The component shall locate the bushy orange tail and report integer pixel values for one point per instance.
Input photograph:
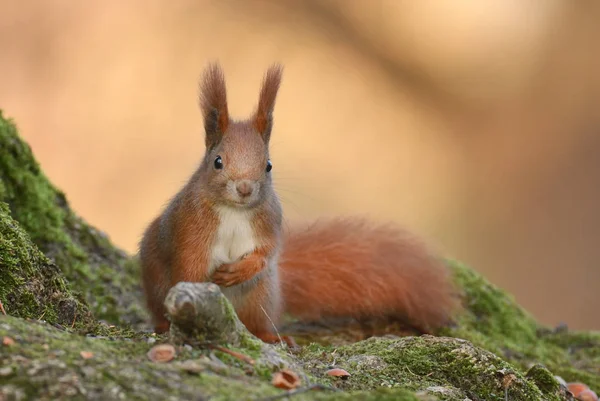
(357, 269)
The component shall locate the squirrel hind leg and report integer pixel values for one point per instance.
(155, 296)
(162, 326)
(154, 275)
(261, 311)
(158, 312)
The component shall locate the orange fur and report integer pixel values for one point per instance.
(178, 245)
(243, 270)
(262, 304)
(338, 268)
(173, 250)
(266, 101)
(354, 268)
(155, 282)
(213, 103)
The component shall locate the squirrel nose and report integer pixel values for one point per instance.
(244, 188)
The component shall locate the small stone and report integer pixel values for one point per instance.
(161, 353)
(34, 370)
(6, 371)
(560, 380)
(191, 366)
(70, 391)
(12, 392)
(19, 359)
(88, 371)
(448, 392)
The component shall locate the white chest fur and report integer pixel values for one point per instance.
(234, 238)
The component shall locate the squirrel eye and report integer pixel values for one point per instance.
(269, 166)
(218, 163)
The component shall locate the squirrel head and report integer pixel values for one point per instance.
(236, 166)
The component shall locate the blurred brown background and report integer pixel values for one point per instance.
(474, 123)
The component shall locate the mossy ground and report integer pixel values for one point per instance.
(494, 321)
(46, 364)
(448, 367)
(49, 257)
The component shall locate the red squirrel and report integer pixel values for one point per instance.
(225, 226)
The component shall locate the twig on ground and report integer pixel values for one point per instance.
(241, 357)
(273, 324)
(2, 308)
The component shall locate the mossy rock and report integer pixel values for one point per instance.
(103, 274)
(494, 321)
(42, 362)
(45, 363)
(447, 367)
(56, 268)
(31, 286)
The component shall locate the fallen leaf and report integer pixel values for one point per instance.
(587, 395)
(8, 341)
(161, 353)
(337, 372)
(86, 354)
(576, 388)
(285, 379)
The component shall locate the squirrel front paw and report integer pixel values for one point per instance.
(230, 274)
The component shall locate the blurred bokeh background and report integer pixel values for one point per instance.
(475, 124)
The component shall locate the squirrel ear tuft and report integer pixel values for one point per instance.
(213, 104)
(263, 118)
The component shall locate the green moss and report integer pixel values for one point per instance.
(380, 394)
(31, 286)
(103, 274)
(491, 312)
(494, 321)
(450, 368)
(544, 380)
(46, 364)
